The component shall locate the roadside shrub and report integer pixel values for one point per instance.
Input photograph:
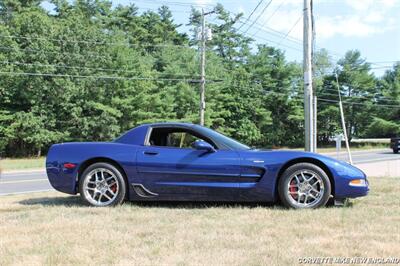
(381, 128)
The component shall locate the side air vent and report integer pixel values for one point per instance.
(143, 192)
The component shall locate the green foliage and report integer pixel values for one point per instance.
(357, 88)
(389, 88)
(382, 129)
(91, 53)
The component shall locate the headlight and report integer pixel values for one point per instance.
(358, 183)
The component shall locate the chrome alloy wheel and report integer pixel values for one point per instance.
(305, 189)
(100, 187)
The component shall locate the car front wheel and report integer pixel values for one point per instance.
(304, 185)
(102, 184)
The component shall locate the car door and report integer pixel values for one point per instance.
(187, 173)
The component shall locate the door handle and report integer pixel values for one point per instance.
(150, 152)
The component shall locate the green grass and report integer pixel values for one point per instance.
(21, 164)
(54, 228)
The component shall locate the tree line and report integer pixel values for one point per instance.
(88, 71)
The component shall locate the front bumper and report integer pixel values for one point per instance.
(350, 182)
(358, 191)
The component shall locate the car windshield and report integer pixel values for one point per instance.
(222, 139)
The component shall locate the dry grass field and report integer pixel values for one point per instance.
(51, 228)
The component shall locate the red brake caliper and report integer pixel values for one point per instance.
(292, 189)
(114, 188)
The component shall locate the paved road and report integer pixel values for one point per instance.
(24, 182)
(366, 156)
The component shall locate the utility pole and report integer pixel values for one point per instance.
(205, 35)
(307, 68)
(202, 68)
(315, 123)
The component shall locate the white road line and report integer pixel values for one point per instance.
(26, 192)
(341, 152)
(21, 174)
(23, 181)
(377, 160)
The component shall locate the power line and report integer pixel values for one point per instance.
(261, 13)
(83, 68)
(279, 34)
(382, 67)
(358, 97)
(273, 33)
(99, 77)
(289, 38)
(269, 40)
(297, 97)
(63, 41)
(30, 50)
(364, 104)
(156, 10)
(91, 54)
(275, 42)
(175, 3)
(384, 62)
(292, 28)
(269, 18)
(248, 18)
(328, 89)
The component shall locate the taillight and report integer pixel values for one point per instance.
(69, 165)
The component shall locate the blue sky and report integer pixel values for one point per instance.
(371, 26)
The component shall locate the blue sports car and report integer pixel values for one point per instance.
(181, 161)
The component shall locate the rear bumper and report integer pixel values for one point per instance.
(61, 179)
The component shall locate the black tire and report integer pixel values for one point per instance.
(288, 175)
(119, 183)
(395, 151)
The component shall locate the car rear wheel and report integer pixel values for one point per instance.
(102, 184)
(304, 185)
(395, 151)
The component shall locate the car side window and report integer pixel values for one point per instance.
(167, 137)
(180, 140)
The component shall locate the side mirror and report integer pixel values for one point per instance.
(201, 145)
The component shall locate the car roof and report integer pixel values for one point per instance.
(172, 124)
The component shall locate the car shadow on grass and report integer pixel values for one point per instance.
(202, 204)
(71, 201)
(75, 201)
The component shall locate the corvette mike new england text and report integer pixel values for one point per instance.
(350, 260)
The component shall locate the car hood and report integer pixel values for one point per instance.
(283, 156)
